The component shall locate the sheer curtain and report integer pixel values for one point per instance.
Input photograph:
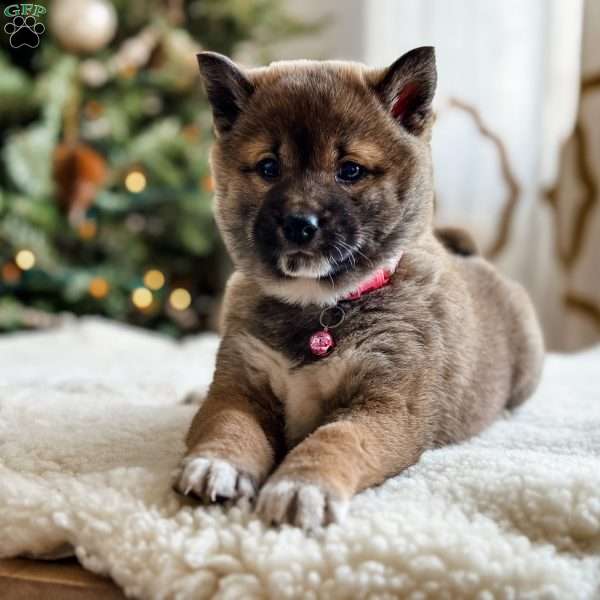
(574, 195)
(507, 103)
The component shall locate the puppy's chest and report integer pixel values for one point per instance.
(288, 329)
(307, 391)
(276, 350)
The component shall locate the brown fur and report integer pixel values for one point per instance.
(429, 360)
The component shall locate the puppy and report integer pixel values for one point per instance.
(354, 337)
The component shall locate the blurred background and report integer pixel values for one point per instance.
(105, 191)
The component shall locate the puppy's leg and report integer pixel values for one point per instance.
(360, 447)
(527, 345)
(233, 441)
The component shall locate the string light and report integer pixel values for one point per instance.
(180, 299)
(87, 229)
(141, 297)
(98, 287)
(25, 259)
(154, 279)
(135, 181)
(10, 273)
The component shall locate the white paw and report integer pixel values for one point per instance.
(213, 480)
(302, 504)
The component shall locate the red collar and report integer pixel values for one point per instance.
(321, 343)
(379, 279)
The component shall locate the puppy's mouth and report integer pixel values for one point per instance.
(312, 265)
(303, 264)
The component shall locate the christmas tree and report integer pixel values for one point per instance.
(105, 197)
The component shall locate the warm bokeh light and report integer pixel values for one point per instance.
(180, 299)
(127, 72)
(25, 259)
(10, 273)
(191, 132)
(87, 229)
(98, 287)
(141, 297)
(135, 181)
(154, 279)
(208, 183)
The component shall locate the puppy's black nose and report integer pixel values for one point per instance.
(300, 229)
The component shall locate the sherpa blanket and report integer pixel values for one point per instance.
(92, 426)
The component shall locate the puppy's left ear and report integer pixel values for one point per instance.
(407, 87)
(227, 87)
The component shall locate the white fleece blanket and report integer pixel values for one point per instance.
(91, 429)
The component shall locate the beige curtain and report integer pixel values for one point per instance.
(516, 144)
(574, 199)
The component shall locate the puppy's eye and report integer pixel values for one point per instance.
(350, 172)
(268, 168)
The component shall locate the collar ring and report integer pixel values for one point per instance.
(335, 319)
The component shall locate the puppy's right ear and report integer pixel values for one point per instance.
(227, 87)
(406, 89)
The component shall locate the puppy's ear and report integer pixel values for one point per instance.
(407, 87)
(227, 87)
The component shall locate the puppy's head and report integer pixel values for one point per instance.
(322, 169)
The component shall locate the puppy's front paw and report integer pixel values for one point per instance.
(305, 505)
(213, 480)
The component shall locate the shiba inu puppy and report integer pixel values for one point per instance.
(355, 336)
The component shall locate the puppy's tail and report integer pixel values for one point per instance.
(457, 240)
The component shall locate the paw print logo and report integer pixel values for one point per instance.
(24, 31)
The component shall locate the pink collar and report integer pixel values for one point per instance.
(321, 343)
(379, 279)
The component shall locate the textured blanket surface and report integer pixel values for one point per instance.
(92, 426)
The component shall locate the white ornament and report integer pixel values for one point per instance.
(83, 25)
